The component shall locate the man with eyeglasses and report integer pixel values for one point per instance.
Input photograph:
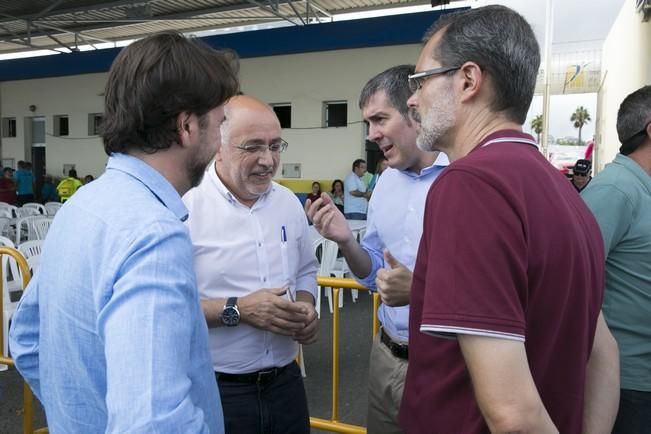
(501, 321)
(256, 274)
(620, 198)
(385, 258)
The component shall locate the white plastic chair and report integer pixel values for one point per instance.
(37, 206)
(8, 306)
(41, 226)
(51, 208)
(25, 229)
(26, 212)
(6, 242)
(8, 210)
(10, 272)
(33, 263)
(326, 252)
(30, 248)
(5, 225)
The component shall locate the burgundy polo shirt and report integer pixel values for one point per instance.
(509, 250)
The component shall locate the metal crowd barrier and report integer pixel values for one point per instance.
(28, 398)
(334, 424)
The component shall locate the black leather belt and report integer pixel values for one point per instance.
(264, 376)
(398, 350)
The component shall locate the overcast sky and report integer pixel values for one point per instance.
(578, 25)
(560, 109)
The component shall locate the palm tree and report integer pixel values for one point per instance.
(580, 117)
(537, 126)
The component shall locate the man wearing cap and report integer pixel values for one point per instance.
(620, 198)
(581, 174)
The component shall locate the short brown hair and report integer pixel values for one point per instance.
(153, 80)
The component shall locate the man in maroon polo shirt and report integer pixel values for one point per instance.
(508, 282)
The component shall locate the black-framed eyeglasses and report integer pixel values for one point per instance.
(259, 148)
(417, 79)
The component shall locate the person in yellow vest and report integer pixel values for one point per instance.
(68, 186)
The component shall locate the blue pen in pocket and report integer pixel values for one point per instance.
(285, 262)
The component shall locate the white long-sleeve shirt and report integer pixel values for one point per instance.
(237, 250)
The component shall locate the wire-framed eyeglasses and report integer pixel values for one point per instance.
(259, 148)
(417, 80)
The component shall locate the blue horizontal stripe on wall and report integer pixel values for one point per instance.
(369, 32)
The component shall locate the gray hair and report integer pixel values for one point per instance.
(395, 85)
(633, 116)
(504, 46)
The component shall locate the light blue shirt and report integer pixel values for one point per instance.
(109, 333)
(352, 203)
(397, 228)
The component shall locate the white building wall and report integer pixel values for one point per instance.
(626, 66)
(304, 80)
(75, 96)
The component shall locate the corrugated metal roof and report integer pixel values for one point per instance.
(55, 24)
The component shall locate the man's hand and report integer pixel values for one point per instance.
(309, 333)
(393, 283)
(268, 309)
(328, 220)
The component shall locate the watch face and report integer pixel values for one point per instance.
(230, 316)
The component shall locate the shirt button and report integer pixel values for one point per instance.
(259, 244)
(264, 279)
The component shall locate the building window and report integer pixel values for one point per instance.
(61, 125)
(94, 124)
(335, 114)
(8, 127)
(284, 113)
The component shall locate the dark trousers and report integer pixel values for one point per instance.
(22, 199)
(634, 415)
(276, 407)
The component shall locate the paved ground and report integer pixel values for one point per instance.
(355, 344)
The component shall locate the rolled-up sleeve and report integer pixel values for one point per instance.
(307, 263)
(374, 246)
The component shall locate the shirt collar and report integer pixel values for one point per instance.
(441, 162)
(152, 179)
(224, 191)
(635, 168)
(502, 134)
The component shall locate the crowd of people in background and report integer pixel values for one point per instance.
(20, 186)
(338, 188)
(493, 271)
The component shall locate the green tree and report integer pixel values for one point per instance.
(580, 117)
(537, 126)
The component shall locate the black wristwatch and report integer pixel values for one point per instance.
(231, 314)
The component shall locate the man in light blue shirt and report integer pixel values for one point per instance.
(355, 192)
(109, 333)
(386, 257)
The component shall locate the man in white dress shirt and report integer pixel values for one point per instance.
(256, 274)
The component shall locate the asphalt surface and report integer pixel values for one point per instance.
(355, 347)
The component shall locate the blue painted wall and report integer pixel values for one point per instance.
(370, 32)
